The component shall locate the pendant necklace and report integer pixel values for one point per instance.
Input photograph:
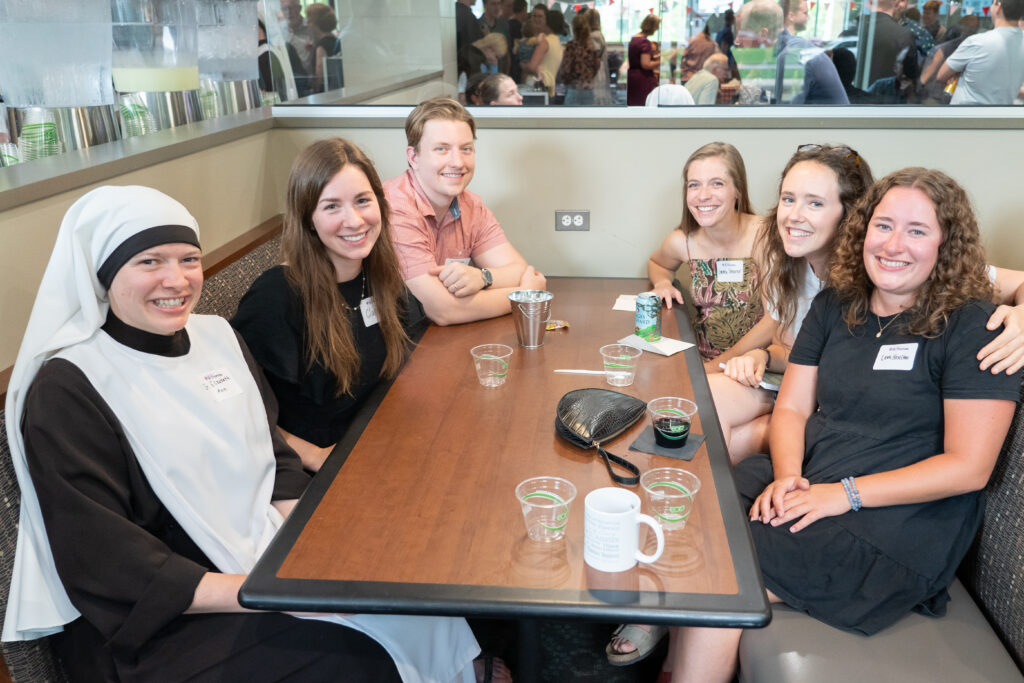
(881, 327)
(362, 295)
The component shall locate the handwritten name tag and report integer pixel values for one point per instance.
(220, 384)
(896, 357)
(457, 260)
(368, 311)
(730, 270)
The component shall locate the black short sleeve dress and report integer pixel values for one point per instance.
(271, 320)
(880, 407)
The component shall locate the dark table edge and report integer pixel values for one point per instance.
(749, 608)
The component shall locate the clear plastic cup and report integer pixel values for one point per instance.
(545, 502)
(620, 364)
(670, 418)
(491, 361)
(669, 492)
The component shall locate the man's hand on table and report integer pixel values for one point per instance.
(459, 279)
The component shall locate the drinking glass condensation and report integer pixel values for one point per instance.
(545, 503)
(670, 492)
(491, 361)
(619, 364)
(670, 419)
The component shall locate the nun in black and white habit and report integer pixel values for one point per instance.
(152, 476)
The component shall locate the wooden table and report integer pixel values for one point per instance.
(415, 511)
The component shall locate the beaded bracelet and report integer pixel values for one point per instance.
(851, 493)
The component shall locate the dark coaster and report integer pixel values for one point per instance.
(645, 444)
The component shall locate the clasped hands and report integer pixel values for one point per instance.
(790, 498)
(463, 280)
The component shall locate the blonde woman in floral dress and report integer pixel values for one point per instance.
(715, 239)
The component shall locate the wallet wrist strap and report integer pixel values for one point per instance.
(610, 458)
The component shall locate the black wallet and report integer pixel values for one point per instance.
(589, 417)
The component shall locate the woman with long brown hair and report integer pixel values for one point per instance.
(580, 63)
(715, 239)
(819, 187)
(335, 318)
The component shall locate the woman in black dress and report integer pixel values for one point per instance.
(336, 318)
(885, 429)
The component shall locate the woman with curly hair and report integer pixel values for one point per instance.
(336, 317)
(885, 430)
(715, 238)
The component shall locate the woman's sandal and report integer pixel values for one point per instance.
(643, 640)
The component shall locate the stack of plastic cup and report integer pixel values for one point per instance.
(135, 117)
(9, 155)
(38, 135)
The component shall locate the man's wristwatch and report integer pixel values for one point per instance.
(488, 278)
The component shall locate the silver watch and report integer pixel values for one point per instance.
(488, 278)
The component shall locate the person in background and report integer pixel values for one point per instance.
(492, 21)
(989, 66)
(820, 82)
(580, 63)
(472, 93)
(488, 54)
(602, 81)
(846, 68)
(467, 31)
(891, 48)
(930, 20)
(705, 83)
(524, 49)
(700, 48)
(454, 256)
(272, 80)
(516, 11)
(910, 18)
(322, 22)
(885, 431)
(301, 40)
(499, 89)
(557, 24)
(644, 63)
(547, 55)
(152, 477)
(336, 318)
(726, 38)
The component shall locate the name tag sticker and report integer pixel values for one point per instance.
(896, 357)
(368, 311)
(220, 384)
(729, 270)
(457, 260)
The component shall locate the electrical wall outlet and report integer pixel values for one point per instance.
(572, 220)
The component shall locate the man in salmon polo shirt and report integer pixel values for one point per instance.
(454, 256)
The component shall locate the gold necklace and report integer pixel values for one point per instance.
(881, 327)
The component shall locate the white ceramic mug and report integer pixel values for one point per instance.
(611, 530)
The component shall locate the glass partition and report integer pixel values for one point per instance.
(552, 53)
(761, 52)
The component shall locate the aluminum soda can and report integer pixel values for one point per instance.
(648, 316)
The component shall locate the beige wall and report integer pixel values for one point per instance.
(229, 189)
(628, 179)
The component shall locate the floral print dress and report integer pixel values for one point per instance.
(728, 304)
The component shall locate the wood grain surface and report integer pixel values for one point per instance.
(427, 494)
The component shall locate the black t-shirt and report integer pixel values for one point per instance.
(880, 408)
(271, 320)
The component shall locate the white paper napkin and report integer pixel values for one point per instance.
(664, 346)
